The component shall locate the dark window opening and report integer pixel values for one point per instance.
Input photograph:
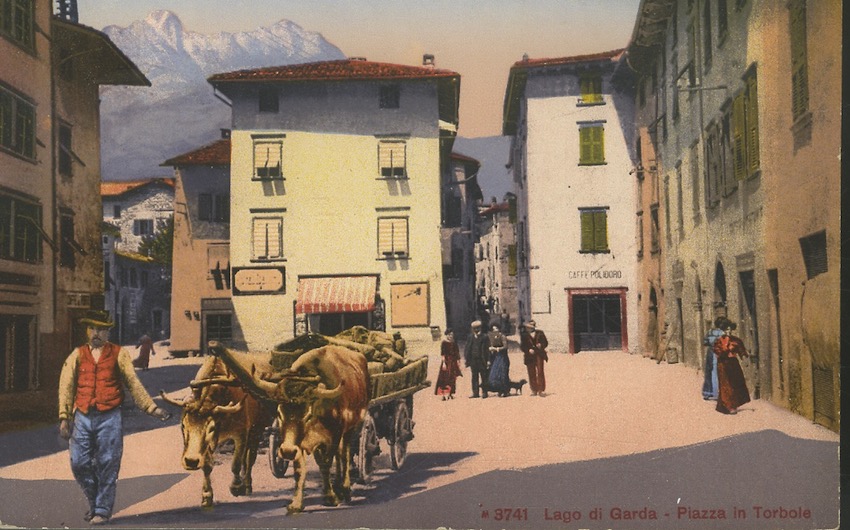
(269, 100)
(390, 97)
(66, 167)
(814, 254)
(66, 249)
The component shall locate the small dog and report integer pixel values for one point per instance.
(517, 385)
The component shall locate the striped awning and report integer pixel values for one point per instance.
(336, 294)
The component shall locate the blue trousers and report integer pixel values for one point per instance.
(96, 447)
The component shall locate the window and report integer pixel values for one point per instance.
(16, 22)
(214, 207)
(392, 159)
(19, 357)
(65, 153)
(218, 265)
(814, 254)
(745, 131)
(799, 60)
(66, 64)
(695, 178)
(674, 25)
(722, 20)
(107, 275)
(594, 230)
(116, 211)
(674, 70)
(17, 124)
(390, 96)
(713, 165)
(268, 100)
(591, 144)
(706, 32)
(392, 237)
(728, 183)
(66, 247)
(134, 277)
(143, 279)
(267, 238)
(143, 227)
(680, 207)
(454, 210)
(591, 89)
(654, 230)
(667, 210)
(268, 159)
(512, 262)
(640, 234)
(20, 230)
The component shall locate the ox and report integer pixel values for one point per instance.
(219, 410)
(322, 401)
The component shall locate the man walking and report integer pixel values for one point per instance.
(476, 356)
(90, 395)
(533, 345)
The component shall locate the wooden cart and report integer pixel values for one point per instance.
(390, 410)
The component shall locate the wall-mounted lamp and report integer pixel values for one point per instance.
(188, 314)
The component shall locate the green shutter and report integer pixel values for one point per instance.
(753, 158)
(600, 231)
(587, 231)
(511, 260)
(738, 136)
(799, 60)
(512, 210)
(586, 154)
(598, 136)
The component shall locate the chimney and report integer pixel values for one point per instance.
(428, 60)
(225, 134)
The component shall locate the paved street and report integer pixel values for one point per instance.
(619, 442)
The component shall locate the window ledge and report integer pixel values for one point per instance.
(581, 103)
(593, 163)
(655, 251)
(608, 251)
(393, 178)
(265, 179)
(397, 257)
(802, 122)
(11, 152)
(268, 260)
(754, 175)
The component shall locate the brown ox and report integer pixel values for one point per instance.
(219, 410)
(322, 400)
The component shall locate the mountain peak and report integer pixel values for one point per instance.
(167, 24)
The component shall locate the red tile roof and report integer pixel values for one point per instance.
(601, 56)
(464, 158)
(345, 69)
(214, 154)
(115, 188)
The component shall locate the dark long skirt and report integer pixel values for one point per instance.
(499, 381)
(732, 391)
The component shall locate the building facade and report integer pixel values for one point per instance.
(571, 121)
(201, 306)
(51, 271)
(742, 123)
(335, 197)
(138, 208)
(496, 259)
(461, 197)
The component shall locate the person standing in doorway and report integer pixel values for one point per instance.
(476, 356)
(90, 397)
(732, 389)
(709, 385)
(533, 345)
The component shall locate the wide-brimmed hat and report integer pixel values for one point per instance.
(725, 323)
(530, 324)
(475, 324)
(97, 318)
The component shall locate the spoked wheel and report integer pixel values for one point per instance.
(402, 433)
(278, 465)
(367, 448)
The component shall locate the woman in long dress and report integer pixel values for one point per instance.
(499, 380)
(449, 368)
(732, 386)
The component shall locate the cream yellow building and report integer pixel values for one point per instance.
(335, 197)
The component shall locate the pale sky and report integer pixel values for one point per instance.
(479, 39)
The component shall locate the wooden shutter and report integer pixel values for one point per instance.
(512, 210)
(268, 238)
(512, 260)
(738, 137)
(267, 159)
(592, 144)
(205, 207)
(799, 60)
(752, 124)
(392, 159)
(598, 139)
(586, 147)
(587, 231)
(600, 230)
(591, 89)
(392, 236)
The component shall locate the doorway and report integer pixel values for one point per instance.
(597, 322)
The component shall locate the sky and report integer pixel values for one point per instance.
(479, 39)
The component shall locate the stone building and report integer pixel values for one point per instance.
(571, 120)
(746, 101)
(51, 68)
(335, 185)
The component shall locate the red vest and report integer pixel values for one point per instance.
(99, 384)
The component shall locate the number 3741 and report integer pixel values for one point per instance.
(510, 514)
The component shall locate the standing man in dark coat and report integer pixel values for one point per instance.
(476, 356)
(533, 346)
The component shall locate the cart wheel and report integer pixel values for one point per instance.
(403, 433)
(278, 465)
(367, 448)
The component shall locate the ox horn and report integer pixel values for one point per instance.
(267, 387)
(171, 401)
(230, 408)
(197, 383)
(324, 393)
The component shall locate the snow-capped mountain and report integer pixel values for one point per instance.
(143, 126)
